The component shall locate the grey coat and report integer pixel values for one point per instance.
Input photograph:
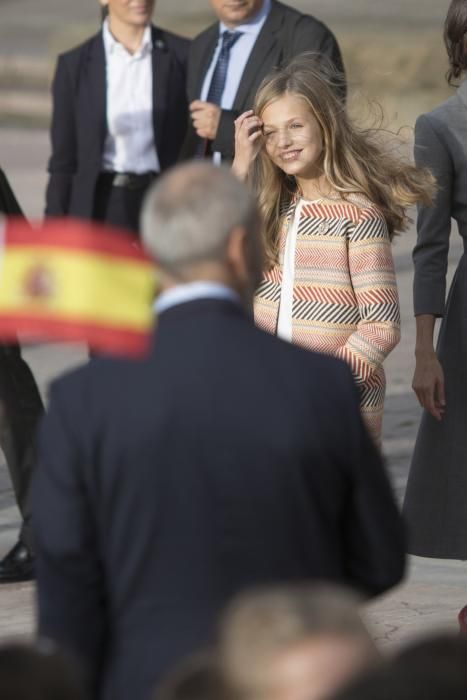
(435, 504)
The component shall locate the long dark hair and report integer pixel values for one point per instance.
(455, 37)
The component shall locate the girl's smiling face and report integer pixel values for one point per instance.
(293, 137)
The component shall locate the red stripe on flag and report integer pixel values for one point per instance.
(75, 234)
(99, 337)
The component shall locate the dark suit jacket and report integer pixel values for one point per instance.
(22, 404)
(285, 34)
(8, 202)
(228, 458)
(79, 118)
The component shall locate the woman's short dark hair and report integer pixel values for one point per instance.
(104, 12)
(455, 37)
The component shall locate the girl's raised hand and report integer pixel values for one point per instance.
(248, 140)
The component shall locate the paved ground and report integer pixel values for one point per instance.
(433, 591)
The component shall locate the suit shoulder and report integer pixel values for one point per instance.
(205, 37)
(445, 113)
(90, 378)
(295, 17)
(75, 54)
(174, 41)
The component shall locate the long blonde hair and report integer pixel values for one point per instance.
(355, 160)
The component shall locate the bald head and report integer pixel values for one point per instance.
(190, 212)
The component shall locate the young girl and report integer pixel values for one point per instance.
(332, 198)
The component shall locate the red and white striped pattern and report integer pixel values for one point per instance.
(345, 300)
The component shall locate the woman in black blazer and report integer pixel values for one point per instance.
(119, 116)
(20, 410)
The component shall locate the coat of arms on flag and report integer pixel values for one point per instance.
(73, 280)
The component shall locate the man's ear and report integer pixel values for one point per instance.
(236, 254)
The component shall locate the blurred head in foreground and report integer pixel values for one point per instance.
(196, 677)
(38, 672)
(432, 669)
(294, 643)
(200, 223)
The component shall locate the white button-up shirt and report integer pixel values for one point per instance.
(129, 144)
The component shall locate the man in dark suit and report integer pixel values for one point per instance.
(20, 410)
(119, 116)
(229, 60)
(228, 458)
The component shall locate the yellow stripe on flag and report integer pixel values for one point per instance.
(81, 284)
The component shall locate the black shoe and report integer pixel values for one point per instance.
(17, 565)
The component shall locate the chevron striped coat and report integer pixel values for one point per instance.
(345, 300)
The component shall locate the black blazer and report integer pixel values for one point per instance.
(285, 34)
(8, 202)
(228, 458)
(79, 126)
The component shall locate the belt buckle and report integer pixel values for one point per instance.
(120, 180)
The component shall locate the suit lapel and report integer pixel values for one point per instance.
(95, 94)
(205, 57)
(266, 44)
(462, 92)
(161, 83)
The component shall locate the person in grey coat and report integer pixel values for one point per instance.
(435, 505)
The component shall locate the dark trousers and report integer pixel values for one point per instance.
(20, 410)
(120, 205)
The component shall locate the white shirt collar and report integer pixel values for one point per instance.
(112, 45)
(182, 293)
(254, 25)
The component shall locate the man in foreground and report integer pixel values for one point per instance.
(226, 459)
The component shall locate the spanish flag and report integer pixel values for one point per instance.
(72, 280)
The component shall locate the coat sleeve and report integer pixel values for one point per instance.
(225, 137)
(70, 590)
(63, 161)
(430, 254)
(372, 274)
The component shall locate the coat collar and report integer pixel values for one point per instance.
(210, 39)
(462, 92)
(96, 86)
(265, 44)
(161, 63)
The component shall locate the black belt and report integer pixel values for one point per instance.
(132, 181)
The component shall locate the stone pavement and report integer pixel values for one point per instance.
(433, 591)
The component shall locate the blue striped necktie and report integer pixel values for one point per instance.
(217, 85)
(216, 88)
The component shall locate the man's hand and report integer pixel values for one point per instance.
(428, 384)
(205, 117)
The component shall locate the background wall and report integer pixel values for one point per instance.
(392, 49)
